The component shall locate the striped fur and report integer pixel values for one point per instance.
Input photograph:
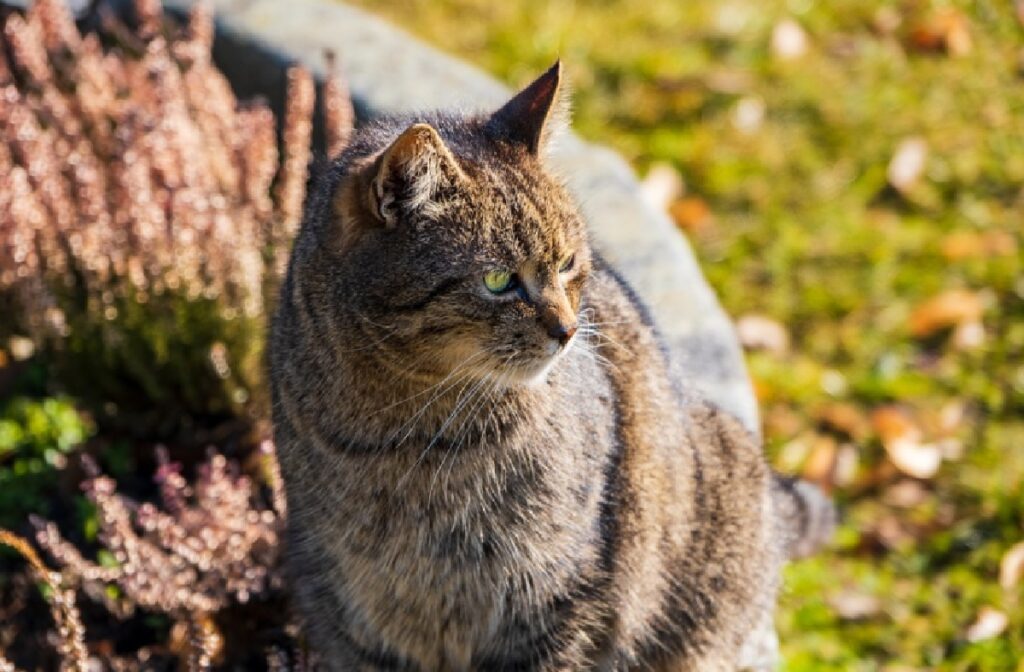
(463, 494)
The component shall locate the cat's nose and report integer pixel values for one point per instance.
(562, 333)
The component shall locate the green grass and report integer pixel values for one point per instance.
(807, 231)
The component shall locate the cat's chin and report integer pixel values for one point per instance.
(537, 376)
(535, 373)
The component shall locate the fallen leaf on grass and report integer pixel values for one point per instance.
(903, 443)
(748, 114)
(692, 214)
(905, 494)
(969, 335)
(820, 465)
(893, 534)
(989, 623)
(758, 332)
(1011, 568)
(951, 415)
(789, 40)
(948, 30)
(907, 163)
(845, 418)
(844, 474)
(970, 244)
(852, 605)
(948, 309)
(662, 185)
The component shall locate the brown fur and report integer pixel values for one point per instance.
(460, 497)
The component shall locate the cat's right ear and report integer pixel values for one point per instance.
(535, 115)
(400, 182)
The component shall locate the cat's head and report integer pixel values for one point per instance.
(453, 247)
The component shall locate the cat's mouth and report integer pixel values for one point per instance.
(532, 370)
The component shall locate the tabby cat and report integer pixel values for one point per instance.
(488, 465)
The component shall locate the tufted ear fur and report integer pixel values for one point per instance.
(400, 181)
(536, 114)
(411, 172)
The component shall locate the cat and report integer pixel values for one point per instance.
(487, 463)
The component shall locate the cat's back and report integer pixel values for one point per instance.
(696, 552)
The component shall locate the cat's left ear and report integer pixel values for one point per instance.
(535, 115)
(410, 173)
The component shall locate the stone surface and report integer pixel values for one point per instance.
(390, 71)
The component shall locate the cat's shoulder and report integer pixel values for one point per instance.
(723, 443)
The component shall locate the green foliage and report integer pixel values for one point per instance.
(808, 231)
(159, 365)
(36, 436)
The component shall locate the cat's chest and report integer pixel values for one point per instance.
(448, 566)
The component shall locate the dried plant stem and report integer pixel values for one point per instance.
(291, 188)
(339, 116)
(70, 630)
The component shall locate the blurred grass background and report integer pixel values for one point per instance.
(853, 178)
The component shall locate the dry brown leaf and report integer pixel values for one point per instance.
(782, 421)
(903, 443)
(748, 114)
(948, 30)
(971, 244)
(948, 309)
(969, 335)
(920, 460)
(692, 214)
(759, 332)
(789, 40)
(847, 465)
(821, 462)
(951, 415)
(1000, 243)
(907, 163)
(962, 245)
(1011, 568)
(853, 605)
(845, 418)
(893, 533)
(793, 454)
(988, 624)
(905, 494)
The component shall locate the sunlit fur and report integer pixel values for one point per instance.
(465, 491)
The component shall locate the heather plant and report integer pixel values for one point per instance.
(212, 545)
(140, 227)
(145, 216)
(70, 631)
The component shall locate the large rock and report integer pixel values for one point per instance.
(390, 71)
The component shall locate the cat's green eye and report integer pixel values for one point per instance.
(499, 281)
(567, 264)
